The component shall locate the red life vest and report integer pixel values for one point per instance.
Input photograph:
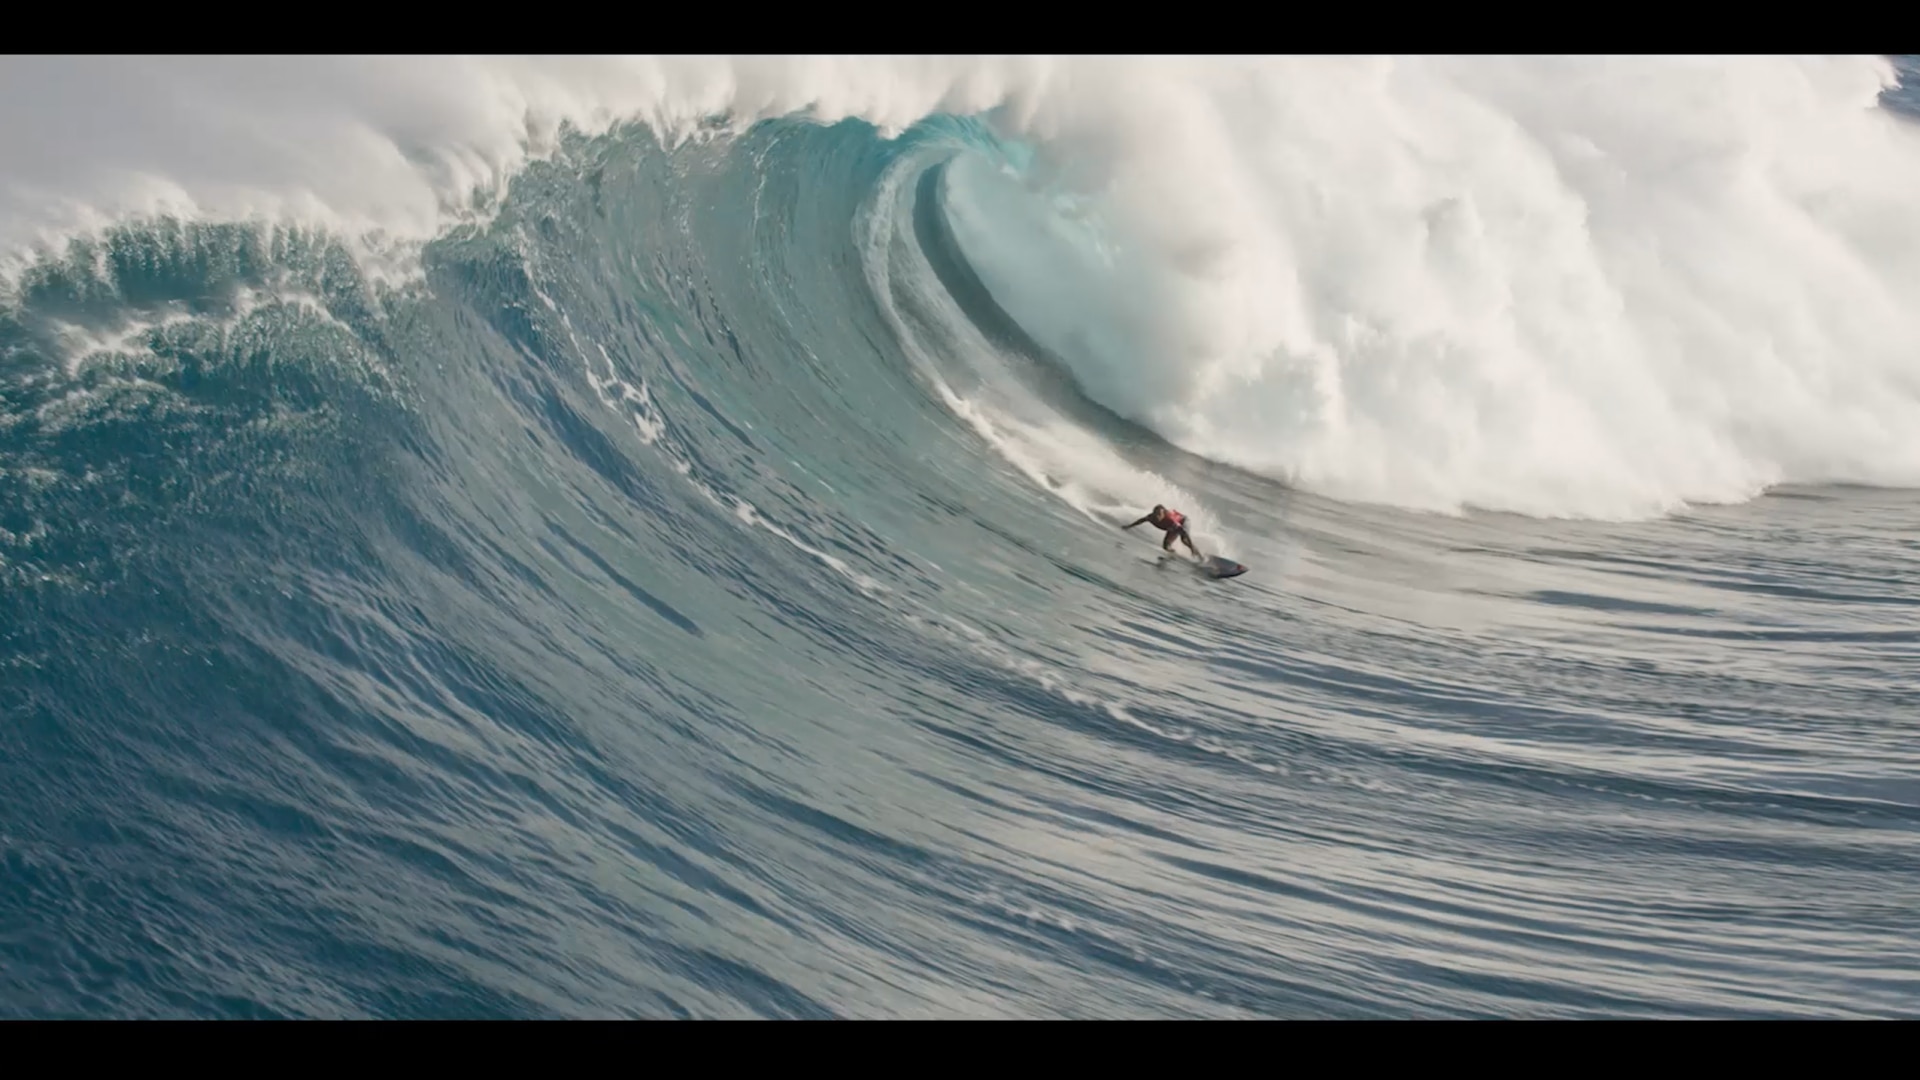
(1174, 520)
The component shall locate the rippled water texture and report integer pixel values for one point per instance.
(697, 595)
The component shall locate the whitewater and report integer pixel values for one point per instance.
(640, 537)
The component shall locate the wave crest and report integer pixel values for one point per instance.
(1592, 287)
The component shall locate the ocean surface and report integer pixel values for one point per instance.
(684, 577)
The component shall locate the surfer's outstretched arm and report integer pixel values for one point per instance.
(1142, 521)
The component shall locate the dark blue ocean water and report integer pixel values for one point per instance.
(618, 620)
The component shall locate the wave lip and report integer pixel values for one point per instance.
(1569, 287)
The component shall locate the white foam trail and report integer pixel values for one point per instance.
(636, 404)
(1586, 286)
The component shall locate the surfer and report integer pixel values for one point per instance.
(1171, 522)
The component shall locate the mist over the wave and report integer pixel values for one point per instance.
(401, 145)
(1590, 287)
(1576, 287)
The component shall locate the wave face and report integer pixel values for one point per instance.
(628, 560)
